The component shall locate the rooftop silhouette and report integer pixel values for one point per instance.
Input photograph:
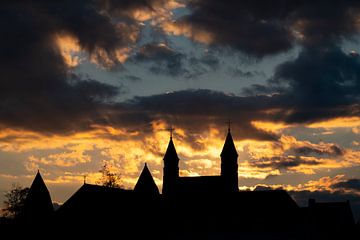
(226, 182)
(189, 208)
(38, 204)
(146, 183)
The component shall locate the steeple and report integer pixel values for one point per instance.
(229, 146)
(229, 166)
(38, 204)
(171, 168)
(146, 183)
(171, 151)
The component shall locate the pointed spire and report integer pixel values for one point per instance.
(38, 202)
(38, 183)
(171, 151)
(229, 146)
(146, 183)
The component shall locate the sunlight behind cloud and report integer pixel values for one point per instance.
(67, 158)
(342, 122)
(69, 48)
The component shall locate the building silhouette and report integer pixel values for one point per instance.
(227, 182)
(206, 207)
(38, 205)
(146, 183)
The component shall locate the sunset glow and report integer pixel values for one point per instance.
(97, 83)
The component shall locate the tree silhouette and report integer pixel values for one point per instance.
(109, 178)
(14, 201)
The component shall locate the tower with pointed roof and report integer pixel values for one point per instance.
(38, 204)
(171, 169)
(229, 165)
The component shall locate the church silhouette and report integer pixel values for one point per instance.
(227, 182)
(205, 207)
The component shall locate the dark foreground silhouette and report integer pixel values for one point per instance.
(208, 207)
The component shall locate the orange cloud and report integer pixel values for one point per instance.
(128, 151)
(161, 11)
(158, 14)
(263, 158)
(177, 28)
(322, 184)
(106, 59)
(342, 122)
(270, 126)
(69, 49)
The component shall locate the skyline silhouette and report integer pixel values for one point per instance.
(176, 184)
(168, 98)
(220, 209)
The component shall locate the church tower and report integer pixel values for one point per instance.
(229, 166)
(171, 169)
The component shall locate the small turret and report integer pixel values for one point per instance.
(146, 183)
(38, 204)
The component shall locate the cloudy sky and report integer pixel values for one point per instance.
(88, 82)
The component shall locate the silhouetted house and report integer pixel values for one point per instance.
(226, 182)
(146, 183)
(94, 200)
(330, 214)
(111, 211)
(38, 204)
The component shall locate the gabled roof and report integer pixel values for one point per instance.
(171, 151)
(229, 146)
(38, 201)
(101, 205)
(93, 196)
(146, 183)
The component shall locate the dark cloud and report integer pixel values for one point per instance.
(323, 77)
(333, 150)
(37, 89)
(296, 156)
(199, 65)
(239, 73)
(350, 184)
(132, 78)
(39, 92)
(265, 188)
(321, 83)
(261, 28)
(163, 59)
(353, 53)
(283, 162)
(208, 60)
(259, 89)
(195, 110)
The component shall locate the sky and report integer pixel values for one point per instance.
(85, 83)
